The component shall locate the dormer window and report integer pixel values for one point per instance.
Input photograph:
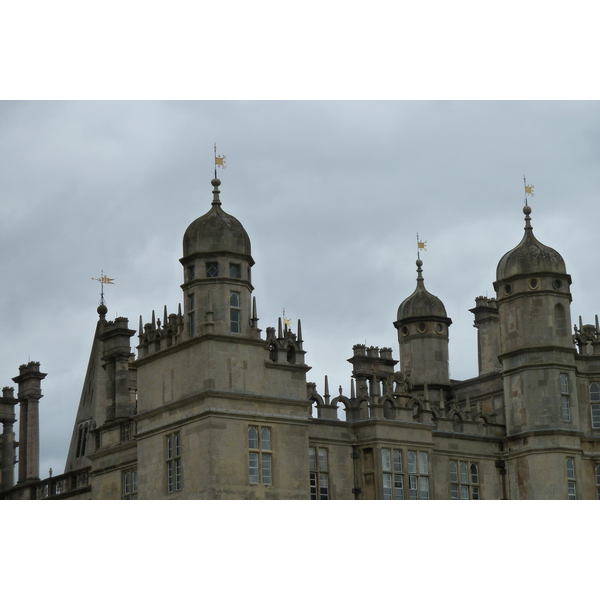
(212, 269)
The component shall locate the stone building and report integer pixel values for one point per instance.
(213, 408)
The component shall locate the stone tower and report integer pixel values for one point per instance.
(217, 266)
(538, 363)
(212, 389)
(422, 326)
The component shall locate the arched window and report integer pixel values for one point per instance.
(259, 461)
(464, 481)
(474, 474)
(564, 396)
(560, 319)
(392, 477)
(412, 462)
(595, 405)
(252, 438)
(453, 472)
(291, 355)
(265, 438)
(386, 463)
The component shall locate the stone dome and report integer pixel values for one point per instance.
(421, 304)
(216, 232)
(530, 256)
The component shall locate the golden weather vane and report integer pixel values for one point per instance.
(528, 189)
(103, 279)
(287, 322)
(219, 161)
(420, 246)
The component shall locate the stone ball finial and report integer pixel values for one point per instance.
(527, 209)
(102, 309)
(419, 263)
(216, 182)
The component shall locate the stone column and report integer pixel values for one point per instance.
(7, 417)
(30, 392)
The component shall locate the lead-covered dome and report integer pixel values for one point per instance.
(530, 256)
(216, 232)
(421, 304)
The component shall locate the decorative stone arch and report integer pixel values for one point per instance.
(343, 399)
(436, 412)
(482, 418)
(457, 415)
(390, 404)
(416, 404)
(291, 352)
(313, 396)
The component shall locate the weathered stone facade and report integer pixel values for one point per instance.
(212, 408)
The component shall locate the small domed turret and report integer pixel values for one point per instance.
(422, 326)
(216, 231)
(217, 274)
(530, 256)
(533, 295)
(421, 303)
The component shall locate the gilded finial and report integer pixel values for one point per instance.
(528, 189)
(420, 246)
(286, 322)
(103, 279)
(219, 161)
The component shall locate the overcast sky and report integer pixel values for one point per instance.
(331, 193)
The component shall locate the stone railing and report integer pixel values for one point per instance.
(62, 486)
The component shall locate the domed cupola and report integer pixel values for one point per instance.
(422, 326)
(217, 274)
(533, 295)
(216, 232)
(530, 257)
(421, 303)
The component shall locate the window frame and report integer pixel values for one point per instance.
(83, 432)
(565, 397)
(173, 462)
(191, 305)
(392, 478)
(464, 480)
(594, 397)
(571, 479)
(191, 272)
(212, 269)
(235, 320)
(129, 482)
(260, 457)
(404, 474)
(319, 473)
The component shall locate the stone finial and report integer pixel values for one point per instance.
(216, 200)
